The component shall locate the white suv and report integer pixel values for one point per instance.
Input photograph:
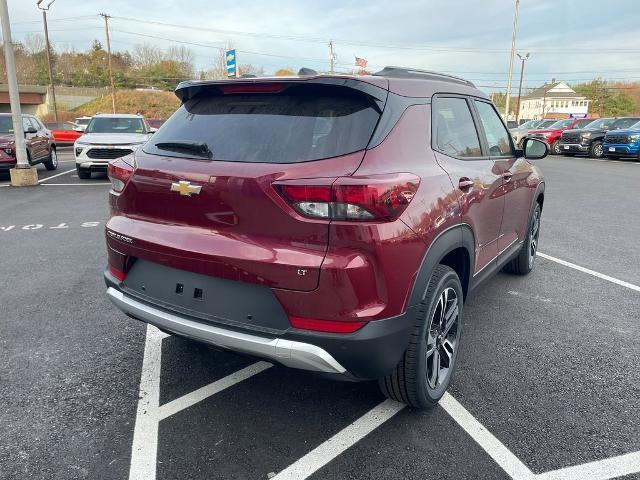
(107, 137)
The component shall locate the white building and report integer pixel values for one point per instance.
(553, 100)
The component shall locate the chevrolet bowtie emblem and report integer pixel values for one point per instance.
(185, 188)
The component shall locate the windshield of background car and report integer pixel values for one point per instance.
(545, 123)
(6, 125)
(603, 123)
(302, 123)
(635, 126)
(624, 123)
(529, 124)
(561, 123)
(115, 125)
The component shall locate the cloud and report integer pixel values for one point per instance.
(552, 31)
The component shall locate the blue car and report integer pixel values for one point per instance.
(623, 143)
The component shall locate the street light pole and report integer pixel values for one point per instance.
(44, 9)
(23, 174)
(522, 58)
(511, 60)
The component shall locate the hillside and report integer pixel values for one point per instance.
(156, 104)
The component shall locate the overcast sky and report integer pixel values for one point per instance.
(572, 40)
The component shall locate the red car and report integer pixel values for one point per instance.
(63, 132)
(330, 223)
(553, 132)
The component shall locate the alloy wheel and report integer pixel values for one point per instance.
(598, 151)
(533, 236)
(442, 339)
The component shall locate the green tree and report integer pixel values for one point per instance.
(604, 100)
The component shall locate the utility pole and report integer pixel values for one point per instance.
(45, 9)
(23, 173)
(113, 87)
(332, 57)
(511, 60)
(522, 58)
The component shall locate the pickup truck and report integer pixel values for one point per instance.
(589, 139)
(552, 133)
(623, 143)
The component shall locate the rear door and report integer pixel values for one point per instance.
(202, 196)
(517, 189)
(460, 151)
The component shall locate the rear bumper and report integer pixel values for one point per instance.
(573, 148)
(368, 354)
(621, 150)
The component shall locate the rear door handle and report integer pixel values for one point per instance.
(465, 183)
(507, 176)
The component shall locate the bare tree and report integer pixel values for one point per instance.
(145, 55)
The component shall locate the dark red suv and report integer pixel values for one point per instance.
(326, 222)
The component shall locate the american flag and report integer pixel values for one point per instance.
(361, 62)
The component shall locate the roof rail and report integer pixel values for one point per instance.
(405, 72)
(307, 72)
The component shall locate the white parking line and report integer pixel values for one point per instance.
(341, 441)
(56, 175)
(601, 470)
(150, 413)
(74, 184)
(483, 437)
(144, 450)
(591, 272)
(200, 394)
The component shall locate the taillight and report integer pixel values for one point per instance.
(371, 198)
(119, 172)
(119, 274)
(329, 326)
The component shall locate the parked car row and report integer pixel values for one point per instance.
(603, 137)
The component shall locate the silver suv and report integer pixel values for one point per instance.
(108, 137)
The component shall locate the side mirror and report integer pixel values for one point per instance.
(534, 149)
(30, 130)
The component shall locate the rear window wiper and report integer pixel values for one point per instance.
(199, 148)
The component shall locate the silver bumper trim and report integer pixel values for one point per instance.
(287, 352)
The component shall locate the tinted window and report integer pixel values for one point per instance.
(498, 138)
(603, 123)
(301, 123)
(115, 125)
(6, 124)
(562, 123)
(583, 123)
(36, 123)
(624, 123)
(454, 132)
(26, 124)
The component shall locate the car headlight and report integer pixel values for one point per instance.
(634, 138)
(586, 135)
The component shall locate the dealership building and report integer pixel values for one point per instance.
(553, 100)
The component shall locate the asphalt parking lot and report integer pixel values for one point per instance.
(547, 386)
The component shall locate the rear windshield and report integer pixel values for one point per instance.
(115, 125)
(300, 124)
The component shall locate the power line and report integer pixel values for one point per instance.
(376, 45)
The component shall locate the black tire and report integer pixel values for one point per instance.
(83, 174)
(408, 383)
(596, 150)
(524, 262)
(52, 163)
(555, 148)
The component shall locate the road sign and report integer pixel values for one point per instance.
(230, 58)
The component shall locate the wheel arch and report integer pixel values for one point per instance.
(454, 247)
